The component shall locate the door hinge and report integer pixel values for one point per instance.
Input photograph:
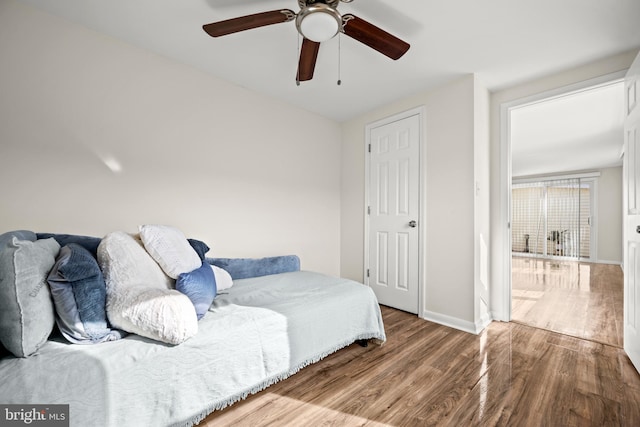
(369, 147)
(367, 272)
(368, 210)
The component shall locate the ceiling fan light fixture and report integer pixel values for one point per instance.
(319, 22)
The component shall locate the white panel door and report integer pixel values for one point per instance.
(632, 216)
(394, 152)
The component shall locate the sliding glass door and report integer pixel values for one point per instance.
(553, 218)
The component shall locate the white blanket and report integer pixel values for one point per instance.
(260, 331)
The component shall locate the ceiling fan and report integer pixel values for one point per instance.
(317, 21)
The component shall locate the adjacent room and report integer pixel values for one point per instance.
(567, 207)
(319, 212)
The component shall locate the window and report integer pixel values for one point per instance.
(552, 218)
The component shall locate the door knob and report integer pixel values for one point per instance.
(413, 224)
(638, 229)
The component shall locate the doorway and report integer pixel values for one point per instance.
(552, 255)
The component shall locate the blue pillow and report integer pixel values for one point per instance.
(7, 238)
(200, 247)
(88, 242)
(4, 240)
(79, 295)
(200, 286)
(243, 268)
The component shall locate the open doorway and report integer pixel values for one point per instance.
(566, 250)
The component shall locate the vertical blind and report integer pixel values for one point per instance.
(551, 218)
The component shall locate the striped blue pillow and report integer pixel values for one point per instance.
(79, 295)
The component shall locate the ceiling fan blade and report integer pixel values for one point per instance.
(374, 37)
(307, 63)
(242, 23)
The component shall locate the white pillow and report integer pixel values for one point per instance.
(140, 298)
(223, 278)
(170, 248)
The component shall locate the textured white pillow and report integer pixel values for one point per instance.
(170, 248)
(140, 298)
(223, 278)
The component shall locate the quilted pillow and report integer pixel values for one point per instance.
(170, 248)
(140, 298)
(26, 310)
(79, 295)
(200, 286)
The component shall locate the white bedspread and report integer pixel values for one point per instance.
(258, 332)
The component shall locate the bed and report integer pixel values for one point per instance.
(260, 331)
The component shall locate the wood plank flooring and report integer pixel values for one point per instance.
(580, 299)
(427, 374)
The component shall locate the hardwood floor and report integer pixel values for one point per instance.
(427, 374)
(580, 299)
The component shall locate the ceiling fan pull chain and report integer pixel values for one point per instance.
(298, 49)
(339, 58)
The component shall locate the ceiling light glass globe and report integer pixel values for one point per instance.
(319, 26)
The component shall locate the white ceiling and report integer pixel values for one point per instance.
(574, 132)
(504, 42)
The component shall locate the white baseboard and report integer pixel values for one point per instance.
(499, 316)
(455, 323)
(483, 322)
(604, 261)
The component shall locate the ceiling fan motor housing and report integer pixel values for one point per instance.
(332, 3)
(319, 22)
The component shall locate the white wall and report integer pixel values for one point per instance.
(500, 268)
(449, 158)
(249, 175)
(482, 233)
(610, 227)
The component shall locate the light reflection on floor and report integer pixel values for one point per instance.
(575, 298)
